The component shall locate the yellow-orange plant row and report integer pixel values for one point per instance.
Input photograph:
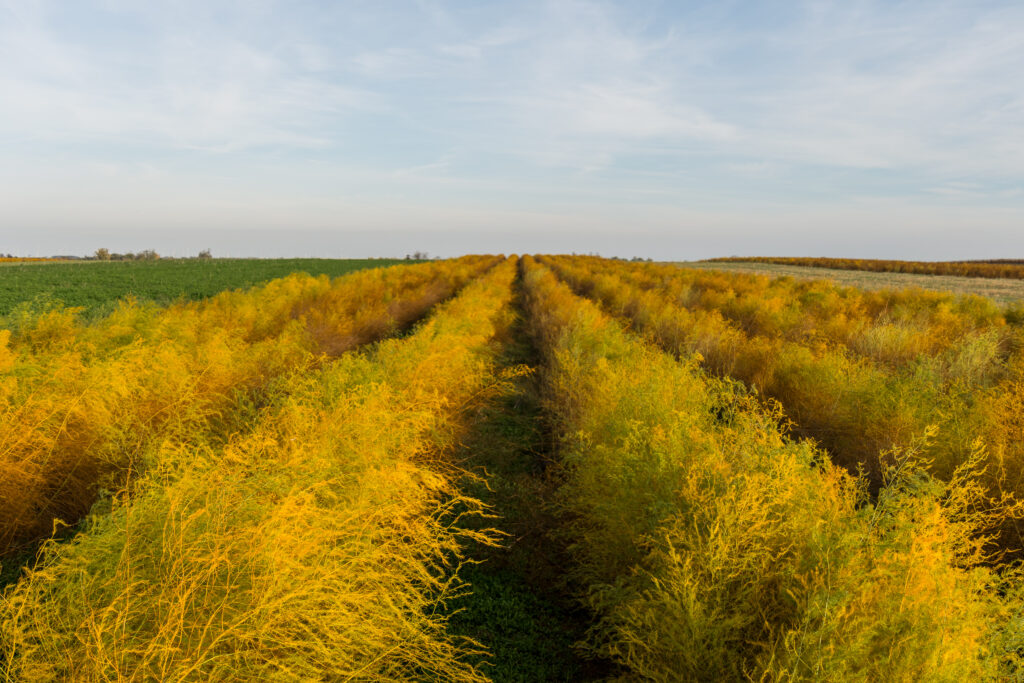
(84, 408)
(709, 546)
(890, 326)
(857, 409)
(992, 268)
(318, 544)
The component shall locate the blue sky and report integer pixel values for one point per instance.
(663, 129)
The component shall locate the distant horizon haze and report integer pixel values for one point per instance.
(267, 243)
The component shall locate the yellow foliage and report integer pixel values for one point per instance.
(909, 358)
(712, 547)
(84, 403)
(316, 545)
(266, 505)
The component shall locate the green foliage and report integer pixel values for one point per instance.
(97, 286)
(527, 636)
(516, 606)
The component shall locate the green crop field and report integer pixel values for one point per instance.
(96, 286)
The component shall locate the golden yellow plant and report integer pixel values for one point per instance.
(83, 405)
(856, 408)
(317, 545)
(709, 546)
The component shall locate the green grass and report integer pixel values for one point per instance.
(97, 286)
(519, 607)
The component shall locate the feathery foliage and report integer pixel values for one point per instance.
(709, 546)
(858, 408)
(262, 494)
(85, 407)
(316, 545)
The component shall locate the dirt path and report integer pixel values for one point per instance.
(1004, 291)
(519, 608)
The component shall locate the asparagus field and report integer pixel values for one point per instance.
(515, 469)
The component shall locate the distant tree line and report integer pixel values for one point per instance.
(103, 254)
(107, 255)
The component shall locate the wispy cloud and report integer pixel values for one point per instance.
(545, 105)
(181, 89)
(920, 87)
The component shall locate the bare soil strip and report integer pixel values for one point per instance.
(1002, 290)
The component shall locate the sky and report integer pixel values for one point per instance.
(669, 130)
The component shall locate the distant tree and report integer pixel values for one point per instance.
(102, 255)
(147, 255)
(205, 254)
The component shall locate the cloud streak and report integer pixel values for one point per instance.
(561, 108)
